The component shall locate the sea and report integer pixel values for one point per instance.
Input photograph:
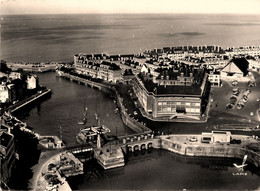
(56, 38)
(34, 38)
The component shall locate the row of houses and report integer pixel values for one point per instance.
(243, 50)
(202, 51)
(104, 70)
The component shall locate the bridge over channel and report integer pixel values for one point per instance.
(128, 143)
(140, 141)
(82, 148)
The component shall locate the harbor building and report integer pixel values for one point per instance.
(178, 92)
(7, 155)
(216, 137)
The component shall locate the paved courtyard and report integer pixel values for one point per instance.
(221, 97)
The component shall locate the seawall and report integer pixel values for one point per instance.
(180, 144)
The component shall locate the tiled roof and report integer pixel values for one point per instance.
(150, 86)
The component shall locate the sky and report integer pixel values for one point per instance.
(128, 6)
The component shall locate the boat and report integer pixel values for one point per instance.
(116, 110)
(84, 120)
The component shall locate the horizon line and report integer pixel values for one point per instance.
(130, 13)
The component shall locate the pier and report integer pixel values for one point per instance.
(30, 100)
(191, 145)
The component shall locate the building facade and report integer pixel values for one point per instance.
(214, 78)
(7, 155)
(32, 82)
(243, 50)
(170, 100)
(97, 67)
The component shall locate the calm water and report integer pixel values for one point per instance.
(65, 108)
(59, 37)
(167, 171)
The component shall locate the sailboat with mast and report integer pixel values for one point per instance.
(84, 119)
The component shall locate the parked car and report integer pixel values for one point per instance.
(229, 106)
(193, 139)
(239, 106)
(251, 84)
(235, 83)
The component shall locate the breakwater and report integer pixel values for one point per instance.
(182, 145)
(33, 67)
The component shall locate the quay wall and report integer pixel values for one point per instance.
(128, 120)
(209, 150)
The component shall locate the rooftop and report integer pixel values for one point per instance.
(194, 89)
(241, 63)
